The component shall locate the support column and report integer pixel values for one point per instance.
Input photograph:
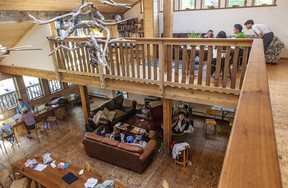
(85, 102)
(168, 18)
(150, 18)
(167, 123)
(46, 87)
(22, 88)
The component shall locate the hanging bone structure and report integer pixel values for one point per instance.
(97, 52)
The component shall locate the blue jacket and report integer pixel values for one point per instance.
(19, 108)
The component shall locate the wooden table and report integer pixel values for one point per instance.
(52, 177)
(135, 130)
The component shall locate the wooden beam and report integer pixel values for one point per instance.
(167, 123)
(168, 18)
(150, 18)
(251, 158)
(21, 88)
(28, 72)
(85, 102)
(46, 87)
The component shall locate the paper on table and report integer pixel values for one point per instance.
(91, 182)
(40, 167)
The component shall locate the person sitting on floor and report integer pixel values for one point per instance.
(182, 125)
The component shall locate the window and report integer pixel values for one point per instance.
(263, 2)
(160, 5)
(187, 4)
(33, 87)
(54, 85)
(235, 3)
(8, 94)
(210, 4)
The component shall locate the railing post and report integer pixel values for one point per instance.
(102, 78)
(161, 69)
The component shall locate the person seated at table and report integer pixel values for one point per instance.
(238, 34)
(221, 34)
(20, 105)
(181, 125)
(209, 34)
(29, 120)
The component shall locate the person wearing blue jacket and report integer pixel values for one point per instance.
(20, 105)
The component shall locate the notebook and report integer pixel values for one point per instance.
(16, 117)
(69, 178)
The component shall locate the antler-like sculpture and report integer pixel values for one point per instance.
(97, 52)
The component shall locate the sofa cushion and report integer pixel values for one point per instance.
(127, 103)
(118, 114)
(110, 116)
(118, 100)
(110, 141)
(94, 136)
(109, 105)
(131, 148)
(105, 112)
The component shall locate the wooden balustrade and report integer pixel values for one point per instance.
(34, 91)
(8, 100)
(188, 64)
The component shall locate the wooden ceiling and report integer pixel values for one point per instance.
(12, 33)
(57, 5)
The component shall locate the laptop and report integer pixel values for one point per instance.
(16, 117)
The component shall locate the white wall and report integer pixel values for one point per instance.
(33, 59)
(134, 12)
(224, 19)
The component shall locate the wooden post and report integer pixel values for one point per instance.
(167, 123)
(168, 18)
(46, 87)
(85, 102)
(22, 88)
(150, 18)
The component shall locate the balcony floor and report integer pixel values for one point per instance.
(278, 85)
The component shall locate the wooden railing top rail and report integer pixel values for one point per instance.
(251, 158)
(194, 41)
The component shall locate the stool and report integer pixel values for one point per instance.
(182, 159)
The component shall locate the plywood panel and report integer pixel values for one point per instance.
(54, 5)
(11, 33)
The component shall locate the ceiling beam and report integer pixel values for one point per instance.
(14, 16)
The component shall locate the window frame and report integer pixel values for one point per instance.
(227, 1)
(180, 6)
(253, 4)
(202, 5)
(60, 84)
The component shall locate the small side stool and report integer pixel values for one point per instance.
(182, 159)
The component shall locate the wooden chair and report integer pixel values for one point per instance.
(96, 172)
(231, 120)
(119, 184)
(20, 183)
(208, 121)
(10, 138)
(60, 114)
(165, 184)
(87, 166)
(39, 126)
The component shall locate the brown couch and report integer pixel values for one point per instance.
(128, 156)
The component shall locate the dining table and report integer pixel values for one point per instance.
(52, 177)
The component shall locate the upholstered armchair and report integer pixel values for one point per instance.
(272, 55)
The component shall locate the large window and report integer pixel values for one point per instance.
(33, 87)
(187, 4)
(235, 3)
(263, 2)
(210, 4)
(54, 85)
(8, 94)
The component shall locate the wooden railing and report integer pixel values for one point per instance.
(34, 91)
(182, 63)
(8, 100)
(251, 158)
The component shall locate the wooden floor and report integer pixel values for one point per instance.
(206, 153)
(278, 85)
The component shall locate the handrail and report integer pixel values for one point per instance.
(251, 158)
(138, 60)
(8, 100)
